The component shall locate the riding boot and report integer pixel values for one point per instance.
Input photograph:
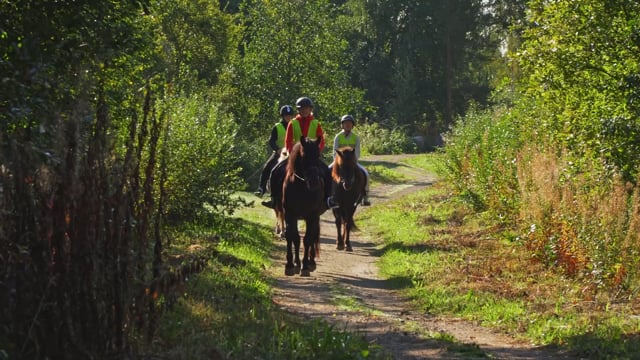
(269, 203)
(328, 191)
(365, 200)
(365, 196)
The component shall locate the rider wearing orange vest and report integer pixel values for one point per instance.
(304, 124)
(276, 143)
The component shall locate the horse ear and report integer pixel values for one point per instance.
(339, 153)
(303, 139)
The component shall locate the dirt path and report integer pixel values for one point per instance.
(382, 315)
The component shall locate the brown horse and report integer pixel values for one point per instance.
(303, 199)
(348, 184)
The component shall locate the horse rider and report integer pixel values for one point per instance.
(276, 143)
(346, 137)
(304, 124)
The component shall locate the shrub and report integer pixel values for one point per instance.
(376, 140)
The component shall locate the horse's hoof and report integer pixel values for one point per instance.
(312, 266)
(340, 247)
(290, 271)
(349, 248)
(305, 272)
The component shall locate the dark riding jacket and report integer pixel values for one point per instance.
(276, 140)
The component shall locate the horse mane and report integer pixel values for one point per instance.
(339, 161)
(293, 162)
(306, 148)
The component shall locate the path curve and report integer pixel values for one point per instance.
(383, 316)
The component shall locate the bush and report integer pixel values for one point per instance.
(202, 161)
(377, 140)
(480, 160)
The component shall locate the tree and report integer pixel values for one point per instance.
(290, 50)
(580, 66)
(422, 62)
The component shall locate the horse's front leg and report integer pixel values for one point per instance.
(338, 221)
(347, 232)
(293, 243)
(311, 242)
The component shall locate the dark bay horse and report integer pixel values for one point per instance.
(303, 199)
(348, 184)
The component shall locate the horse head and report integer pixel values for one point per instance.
(345, 167)
(304, 163)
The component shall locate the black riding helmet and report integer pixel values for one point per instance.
(304, 101)
(347, 118)
(286, 110)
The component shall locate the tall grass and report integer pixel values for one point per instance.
(454, 261)
(583, 223)
(573, 214)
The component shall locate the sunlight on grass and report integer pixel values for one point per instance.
(256, 212)
(347, 302)
(430, 162)
(226, 311)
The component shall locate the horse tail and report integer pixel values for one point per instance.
(354, 227)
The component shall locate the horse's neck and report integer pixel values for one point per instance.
(294, 168)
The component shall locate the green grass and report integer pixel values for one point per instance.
(227, 311)
(453, 261)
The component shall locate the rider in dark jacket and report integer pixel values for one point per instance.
(276, 143)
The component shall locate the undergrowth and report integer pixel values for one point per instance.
(453, 260)
(226, 311)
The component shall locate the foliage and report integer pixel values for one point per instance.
(201, 160)
(421, 61)
(290, 49)
(87, 170)
(376, 139)
(480, 162)
(454, 261)
(198, 40)
(580, 61)
(566, 172)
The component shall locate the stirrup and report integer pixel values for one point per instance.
(365, 202)
(259, 192)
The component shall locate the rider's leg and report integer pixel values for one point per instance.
(365, 196)
(266, 172)
(276, 179)
(328, 189)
